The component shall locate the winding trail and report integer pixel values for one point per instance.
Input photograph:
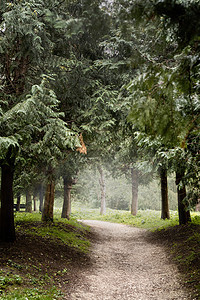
(127, 266)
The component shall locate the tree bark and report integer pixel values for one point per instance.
(134, 180)
(47, 214)
(103, 190)
(66, 210)
(164, 195)
(184, 214)
(7, 228)
(34, 200)
(197, 208)
(28, 202)
(18, 201)
(41, 197)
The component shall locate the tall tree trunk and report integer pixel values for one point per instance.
(197, 208)
(7, 228)
(47, 214)
(18, 201)
(134, 180)
(34, 199)
(164, 194)
(184, 214)
(103, 190)
(41, 197)
(28, 202)
(66, 210)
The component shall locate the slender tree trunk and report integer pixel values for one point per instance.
(66, 210)
(184, 214)
(18, 201)
(164, 195)
(197, 208)
(28, 202)
(7, 229)
(134, 179)
(41, 197)
(47, 214)
(103, 190)
(34, 200)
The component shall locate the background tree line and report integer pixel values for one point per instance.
(118, 81)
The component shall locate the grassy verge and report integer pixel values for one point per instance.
(42, 259)
(146, 219)
(186, 252)
(69, 232)
(183, 245)
(31, 293)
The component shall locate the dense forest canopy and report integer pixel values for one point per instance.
(109, 84)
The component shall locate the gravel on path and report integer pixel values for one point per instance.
(127, 266)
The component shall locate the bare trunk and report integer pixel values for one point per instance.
(41, 197)
(184, 214)
(103, 190)
(164, 195)
(28, 202)
(66, 210)
(34, 200)
(134, 204)
(47, 214)
(7, 228)
(197, 208)
(18, 202)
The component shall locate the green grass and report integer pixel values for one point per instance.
(20, 279)
(69, 238)
(32, 294)
(56, 231)
(13, 286)
(147, 219)
(9, 279)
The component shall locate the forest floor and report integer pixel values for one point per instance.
(123, 263)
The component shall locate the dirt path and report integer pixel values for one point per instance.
(127, 266)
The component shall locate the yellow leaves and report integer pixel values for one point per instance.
(35, 12)
(10, 4)
(63, 68)
(83, 148)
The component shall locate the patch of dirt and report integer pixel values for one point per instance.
(128, 263)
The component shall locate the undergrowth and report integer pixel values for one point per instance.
(72, 235)
(38, 263)
(32, 294)
(186, 252)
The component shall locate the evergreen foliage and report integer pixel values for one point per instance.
(165, 91)
(104, 62)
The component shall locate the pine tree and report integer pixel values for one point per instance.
(165, 92)
(27, 33)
